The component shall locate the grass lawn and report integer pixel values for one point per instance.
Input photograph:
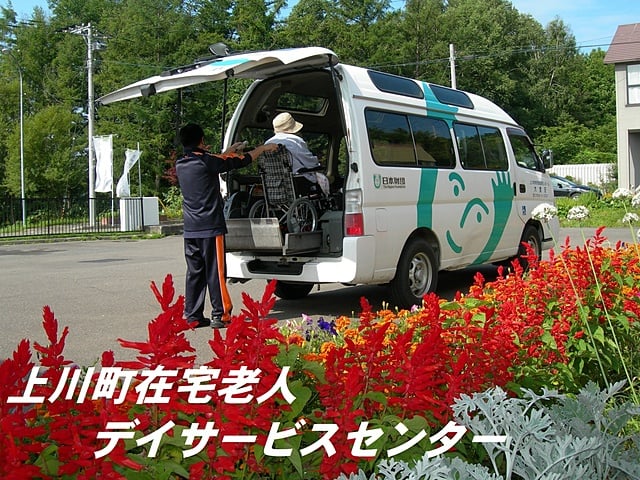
(606, 211)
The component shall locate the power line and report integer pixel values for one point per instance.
(483, 55)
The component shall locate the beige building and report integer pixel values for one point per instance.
(624, 53)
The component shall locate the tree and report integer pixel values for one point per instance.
(253, 23)
(361, 29)
(493, 44)
(552, 65)
(311, 22)
(144, 38)
(424, 43)
(573, 142)
(53, 166)
(596, 97)
(535, 73)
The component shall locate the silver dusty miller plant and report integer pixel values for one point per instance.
(549, 437)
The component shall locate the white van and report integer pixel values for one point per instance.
(423, 177)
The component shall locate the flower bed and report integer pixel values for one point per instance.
(316, 399)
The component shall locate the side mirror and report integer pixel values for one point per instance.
(547, 158)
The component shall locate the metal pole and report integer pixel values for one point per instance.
(92, 173)
(22, 193)
(139, 172)
(23, 199)
(452, 61)
(86, 32)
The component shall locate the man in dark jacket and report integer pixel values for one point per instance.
(204, 223)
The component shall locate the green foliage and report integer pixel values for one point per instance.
(51, 164)
(172, 203)
(548, 86)
(573, 142)
(605, 211)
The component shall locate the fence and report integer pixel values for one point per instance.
(586, 174)
(68, 216)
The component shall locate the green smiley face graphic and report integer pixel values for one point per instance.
(474, 208)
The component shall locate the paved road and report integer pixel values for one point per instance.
(100, 289)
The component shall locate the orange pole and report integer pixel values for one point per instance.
(226, 298)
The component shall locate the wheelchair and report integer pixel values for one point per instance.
(284, 197)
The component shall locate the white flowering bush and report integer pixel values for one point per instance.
(578, 212)
(544, 212)
(622, 194)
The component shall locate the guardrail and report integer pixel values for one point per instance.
(68, 216)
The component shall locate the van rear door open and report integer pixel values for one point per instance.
(250, 65)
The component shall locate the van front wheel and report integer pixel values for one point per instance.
(532, 237)
(416, 275)
(292, 291)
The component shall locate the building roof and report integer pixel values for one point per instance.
(625, 46)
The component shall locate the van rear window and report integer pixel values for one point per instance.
(393, 84)
(302, 103)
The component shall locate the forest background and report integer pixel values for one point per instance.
(565, 98)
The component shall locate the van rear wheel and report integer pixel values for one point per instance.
(416, 275)
(292, 291)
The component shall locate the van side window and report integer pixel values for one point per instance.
(390, 138)
(495, 153)
(481, 148)
(409, 140)
(434, 147)
(523, 150)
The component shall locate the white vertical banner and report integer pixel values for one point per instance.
(104, 163)
(131, 157)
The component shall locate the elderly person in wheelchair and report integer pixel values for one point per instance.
(295, 192)
(306, 168)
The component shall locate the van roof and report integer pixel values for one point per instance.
(264, 64)
(440, 100)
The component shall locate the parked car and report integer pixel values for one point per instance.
(563, 187)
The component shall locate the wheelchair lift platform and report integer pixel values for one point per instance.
(265, 235)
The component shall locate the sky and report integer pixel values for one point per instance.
(592, 22)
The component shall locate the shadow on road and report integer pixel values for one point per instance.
(336, 300)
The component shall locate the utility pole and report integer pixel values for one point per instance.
(452, 63)
(86, 32)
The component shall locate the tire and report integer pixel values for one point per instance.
(258, 209)
(292, 291)
(302, 216)
(416, 274)
(531, 236)
(235, 205)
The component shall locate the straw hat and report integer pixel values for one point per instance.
(285, 123)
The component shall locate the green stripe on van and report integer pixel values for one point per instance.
(429, 176)
(435, 108)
